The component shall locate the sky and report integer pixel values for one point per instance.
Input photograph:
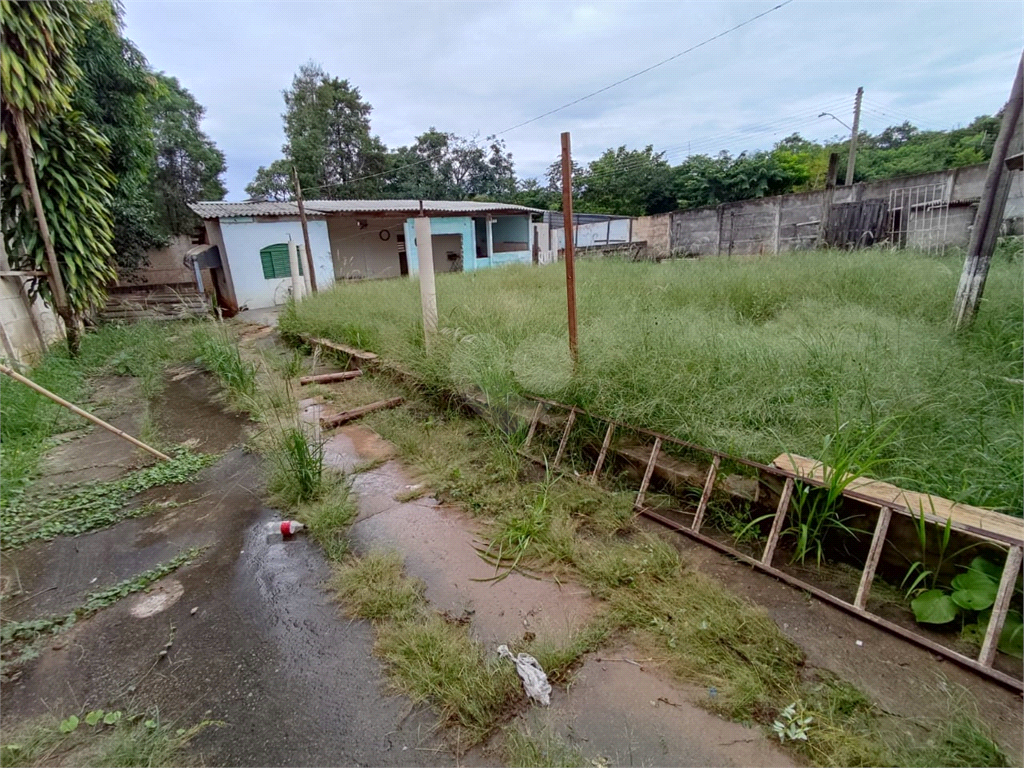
(477, 68)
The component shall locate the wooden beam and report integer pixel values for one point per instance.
(569, 421)
(359, 354)
(323, 378)
(533, 425)
(874, 553)
(84, 414)
(347, 416)
(995, 624)
(705, 497)
(778, 522)
(1013, 683)
(604, 452)
(647, 474)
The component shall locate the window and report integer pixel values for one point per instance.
(275, 261)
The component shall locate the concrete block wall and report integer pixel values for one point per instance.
(655, 231)
(17, 322)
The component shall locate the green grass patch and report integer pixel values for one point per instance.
(523, 748)
(376, 588)
(329, 517)
(751, 357)
(216, 351)
(89, 506)
(98, 738)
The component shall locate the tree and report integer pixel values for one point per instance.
(529, 192)
(40, 130)
(188, 164)
(272, 183)
(113, 95)
(628, 183)
(327, 124)
(443, 166)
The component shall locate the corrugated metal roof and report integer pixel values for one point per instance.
(217, 210)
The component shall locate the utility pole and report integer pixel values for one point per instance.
(991, 207)
(827, 197)
(852, 161)
(570, 266)
(428, 293)
(305, 230)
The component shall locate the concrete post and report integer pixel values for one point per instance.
(293, 265)
(307, 273)
(428, 293)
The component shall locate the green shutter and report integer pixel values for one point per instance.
(275, 261)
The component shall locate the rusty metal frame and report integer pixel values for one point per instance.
(981, 665)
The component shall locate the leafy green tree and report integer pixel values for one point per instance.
(69, 158)
(113, 95)
(628, 183)
(529, 192)
(273, 182)
(443, 166)
(189, 165)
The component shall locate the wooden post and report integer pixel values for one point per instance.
(305, 229)
(990, 208)
(780, 518)
(827, 196)
(995, 624)
(56, 280)
(570, 252)
(329, 422)
(639, 503)
(569, 421)
(867, 577)
(84, 414)
(324, 378)
(852, 159)
(428, 293)
(705, 496)
(604, 452)
(293, 266)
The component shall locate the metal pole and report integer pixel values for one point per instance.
(305, 229)
(570, 267)
(853, 138)
(428, 294)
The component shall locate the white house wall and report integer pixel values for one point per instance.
(244, 238)
(359, 252)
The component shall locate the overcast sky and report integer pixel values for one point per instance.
(476, 68)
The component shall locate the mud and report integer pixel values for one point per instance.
(188, 411)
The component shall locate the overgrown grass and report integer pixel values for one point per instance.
(219, 354)
(752, 357)
(28, 419)
(522, 748)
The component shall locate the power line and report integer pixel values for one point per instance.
(647, 69)
(580, 99)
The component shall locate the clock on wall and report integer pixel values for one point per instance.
(385, 234)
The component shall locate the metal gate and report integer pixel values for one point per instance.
(919, 216)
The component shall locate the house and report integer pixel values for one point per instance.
(246, 243)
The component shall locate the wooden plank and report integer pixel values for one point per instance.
(975, 520)
(359, 354)
(1013, 683)
(533, 425)
(604, 447)
(999, 608)
(705, 496)
(323, 378)
(342, 418)
(647, 473)
(565, 436)
(874, 553)
(777, 523)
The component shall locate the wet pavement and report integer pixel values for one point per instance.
(266, 650)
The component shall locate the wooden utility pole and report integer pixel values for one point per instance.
(428, 293)
(827, 197)
(991, 207)
(60, 297)
(305, 230)
(852, 160)
(570, 253)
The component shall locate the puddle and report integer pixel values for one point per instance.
(188, 410)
